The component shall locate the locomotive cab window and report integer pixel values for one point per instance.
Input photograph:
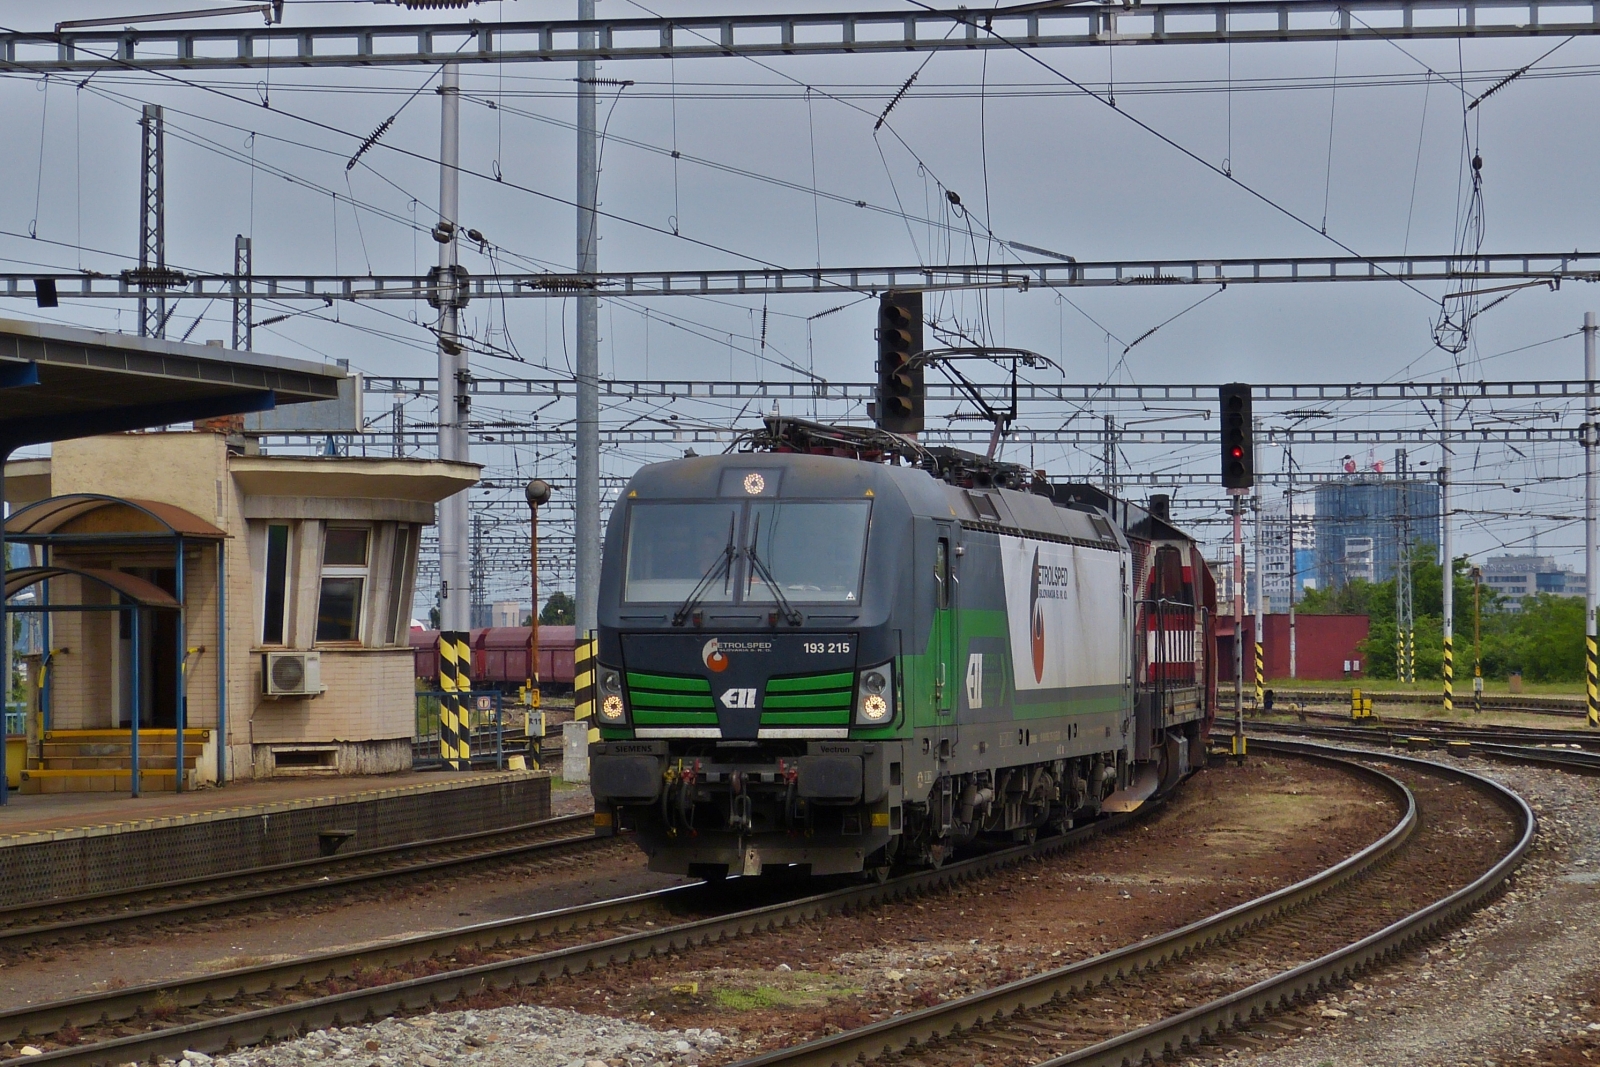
(1167, 578)
(672, 548)
(812, 551)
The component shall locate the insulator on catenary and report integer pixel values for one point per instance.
(372, 139)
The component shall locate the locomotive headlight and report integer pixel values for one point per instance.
(875, 695)
(611, 709)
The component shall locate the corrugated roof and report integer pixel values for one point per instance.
(53, 514)
(131, 586)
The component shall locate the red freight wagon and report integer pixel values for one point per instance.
(500, 656)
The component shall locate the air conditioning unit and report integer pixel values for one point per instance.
(291, 674)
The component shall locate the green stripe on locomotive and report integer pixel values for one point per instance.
(919, 675)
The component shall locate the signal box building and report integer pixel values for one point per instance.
(287, 583)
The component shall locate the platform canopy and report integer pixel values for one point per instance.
(62, 382)
(90, 515)
(131, 587)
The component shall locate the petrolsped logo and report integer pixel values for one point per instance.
(714, 657)
(715, 652)
(1049, 582)
(1036, 621)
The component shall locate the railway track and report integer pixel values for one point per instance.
(1556, 707)
(1113, 1009)
(1053, 1006)
(237, 1014)
(1435, 728)
(1516, 746)
(155, 907)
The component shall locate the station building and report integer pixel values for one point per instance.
(286, 581)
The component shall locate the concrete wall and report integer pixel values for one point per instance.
(1322, 645)
(47, 866)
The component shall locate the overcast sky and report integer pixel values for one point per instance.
(1381, 162)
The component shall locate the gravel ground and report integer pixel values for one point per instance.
(519, 1036)
(1518, 985)
(1259, 826)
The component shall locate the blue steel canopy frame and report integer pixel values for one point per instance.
(135, 596)
(58, 383)
(38, 524)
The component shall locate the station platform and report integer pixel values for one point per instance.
(70, 844)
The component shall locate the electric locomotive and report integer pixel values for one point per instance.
(839, 649)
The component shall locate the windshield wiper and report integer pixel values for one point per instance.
(722, 566)
(765, 573)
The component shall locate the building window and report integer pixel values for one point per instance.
(344, 580)
(277, 586)
(399, 608)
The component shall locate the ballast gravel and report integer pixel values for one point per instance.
(520, 1036)
(1517, 985)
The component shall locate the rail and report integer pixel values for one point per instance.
(905, 1031)
(1506, 745)
(1156, 1042)
(265, 1024)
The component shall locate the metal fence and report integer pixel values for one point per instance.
(485, 723)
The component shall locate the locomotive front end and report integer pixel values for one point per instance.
(746, 693)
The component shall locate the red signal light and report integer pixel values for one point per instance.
(1236, 452)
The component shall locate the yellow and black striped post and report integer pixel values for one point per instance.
(455, 678)
(1449, 671)
(583, 684)
(1261, 674)
(1594, 689)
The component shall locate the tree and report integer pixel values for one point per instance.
(559, 610)
(1539, 641)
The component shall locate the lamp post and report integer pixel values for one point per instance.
(538, 493)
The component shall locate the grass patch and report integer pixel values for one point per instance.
(743, 991)
(765, 997)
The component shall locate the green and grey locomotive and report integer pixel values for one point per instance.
(841, 650)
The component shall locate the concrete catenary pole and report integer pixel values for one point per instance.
(1591, 492)
(587, 496)
(1294, 577)
(1448, 670)
(1238, 623)
(1261, 575)
(454, 592)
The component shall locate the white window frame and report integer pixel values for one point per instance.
(363, 572)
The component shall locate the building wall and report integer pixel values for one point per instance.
(360, 703)
(1322, 645)
(368, 710)
(1371, 508)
